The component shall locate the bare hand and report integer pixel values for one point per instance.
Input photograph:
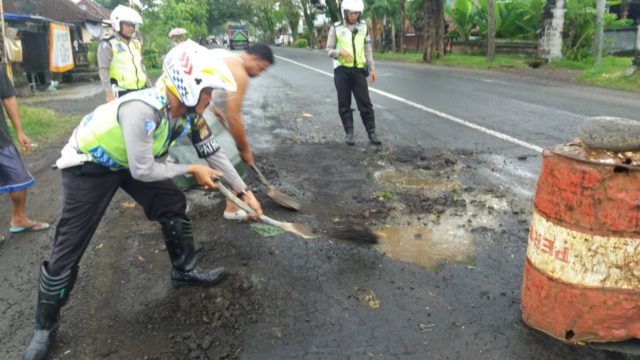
(345, 55)
(204, 175)
(25, 143)
(109, 96)
(251, 200)
(247, 156)
(374, 76)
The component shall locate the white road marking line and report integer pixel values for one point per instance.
(457, 120)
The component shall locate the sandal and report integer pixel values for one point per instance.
(239, 215)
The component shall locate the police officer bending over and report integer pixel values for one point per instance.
(349, 45)
(119, 145)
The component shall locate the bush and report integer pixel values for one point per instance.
(92, 52)
(152, 58)
(301, 43)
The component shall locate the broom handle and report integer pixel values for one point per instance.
(242, 205)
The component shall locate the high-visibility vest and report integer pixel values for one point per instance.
(126, 65)
(352, 43)
(100, 135)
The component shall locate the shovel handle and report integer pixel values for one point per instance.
(260, 176)
(242, 205)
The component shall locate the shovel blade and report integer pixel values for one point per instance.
(283, 199)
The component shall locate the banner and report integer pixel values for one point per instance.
(60, 53)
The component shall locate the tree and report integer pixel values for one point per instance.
(434, 32)
(111, 4)
(403, 18)
(491, 30)
(309, 13)
(291, 10)
(220, 12)
(266, 16)
(333, 9)
(378, 10)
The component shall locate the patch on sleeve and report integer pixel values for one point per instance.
(149, 127)
(202, 138)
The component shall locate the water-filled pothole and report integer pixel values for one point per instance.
(428, 246)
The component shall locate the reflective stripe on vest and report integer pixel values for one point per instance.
(100, 135)
(126, 65)
(345, 41)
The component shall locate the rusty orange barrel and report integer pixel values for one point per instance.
(582, 272)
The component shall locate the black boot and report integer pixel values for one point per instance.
(369, 122)
(373, 138)
(347, 123)
(178, 237)
(53, 293)
(348, 137)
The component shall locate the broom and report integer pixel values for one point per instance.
(349, 231)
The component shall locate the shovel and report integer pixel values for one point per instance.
(278, 196)
(301, 230)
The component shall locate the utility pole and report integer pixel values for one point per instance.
(599, 40)
(491, 31)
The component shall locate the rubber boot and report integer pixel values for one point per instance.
(178, 237)
(348, 137)
(369, 122)
(347, 123)
(53, 293)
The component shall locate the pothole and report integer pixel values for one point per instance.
(434, 217)
(428, 246)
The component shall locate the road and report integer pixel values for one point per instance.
(499, 114)
(454, 180)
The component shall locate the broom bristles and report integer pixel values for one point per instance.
(353, 232)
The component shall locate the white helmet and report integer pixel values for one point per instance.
(124, 13)
(189, 68)
(177, 32)
(352, 5)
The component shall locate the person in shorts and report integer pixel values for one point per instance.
(15, 179)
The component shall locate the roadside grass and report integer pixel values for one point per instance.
(611, 73)
(409, 57)
(41, 124)
(477, 61)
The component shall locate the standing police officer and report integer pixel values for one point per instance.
(349, 45)
(120, 56)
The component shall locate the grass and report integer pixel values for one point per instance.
(611, 73)
(40, 124)
(481, 62)
(409, 57)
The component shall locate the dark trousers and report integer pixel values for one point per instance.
(85, 198)
(348, 81)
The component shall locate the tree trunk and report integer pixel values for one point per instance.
(434, 30)
(393, 36)
(403, 16)
(598, 41)
(491, 31)
(550, 47)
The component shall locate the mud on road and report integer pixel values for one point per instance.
(442, 284)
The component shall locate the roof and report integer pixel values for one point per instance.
(60, 10)
(92, 8)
